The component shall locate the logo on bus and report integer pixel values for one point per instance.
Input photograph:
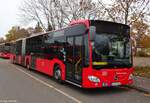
(116, 77)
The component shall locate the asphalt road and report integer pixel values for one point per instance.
(19, 85)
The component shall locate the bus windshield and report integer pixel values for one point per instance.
(111, 48)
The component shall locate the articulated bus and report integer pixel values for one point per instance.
(87, 53)
(5, 50)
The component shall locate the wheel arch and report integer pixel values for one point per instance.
(62, 68)
(27, 60)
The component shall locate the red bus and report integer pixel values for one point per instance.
(87, 53)
(5, 50)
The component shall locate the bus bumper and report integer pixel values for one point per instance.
(106, 77)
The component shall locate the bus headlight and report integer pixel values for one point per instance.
(94, 79)
(130, 76)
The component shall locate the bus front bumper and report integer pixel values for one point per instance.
(106, 77)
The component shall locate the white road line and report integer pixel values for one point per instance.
(50, 86)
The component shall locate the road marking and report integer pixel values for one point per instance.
(48, 85)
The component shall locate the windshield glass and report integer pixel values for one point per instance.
(111, 50)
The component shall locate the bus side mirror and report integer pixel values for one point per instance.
(92, 31)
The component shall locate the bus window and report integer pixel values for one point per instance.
(78, 57)
(70, 49)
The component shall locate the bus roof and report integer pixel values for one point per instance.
(74, 22)
(109, 22)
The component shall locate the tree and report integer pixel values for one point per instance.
(139, 32)
(2, 40)
(52, 14)
(145, 41)
(30, 30)
(139, 29)
(122, 10)
(38, 28)
(15, 33)
(49, 28)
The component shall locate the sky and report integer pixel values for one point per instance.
(9, 10)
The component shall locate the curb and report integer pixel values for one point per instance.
(137, 84)
(138, 88)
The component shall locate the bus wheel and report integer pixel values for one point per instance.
(57, 73)
(28, 66)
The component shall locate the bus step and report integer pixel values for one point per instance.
(73, 83)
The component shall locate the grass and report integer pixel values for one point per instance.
(1, 59)
(142, 71)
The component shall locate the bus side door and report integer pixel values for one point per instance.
(74, 58)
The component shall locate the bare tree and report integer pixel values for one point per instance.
(123, 10)
(2, 40)
(58, 13)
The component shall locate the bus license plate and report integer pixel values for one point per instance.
(116, 83)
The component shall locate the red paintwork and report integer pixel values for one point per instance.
(122, 73)
(16, 59)
(47, 66)
(82, 21)
(5, 55)
(27, 60)
(12, 57)
(19, 59)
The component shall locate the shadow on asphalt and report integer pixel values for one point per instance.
(98, 91)
(92, 92)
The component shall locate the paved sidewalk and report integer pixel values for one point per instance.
(141, 61)
(141, 84)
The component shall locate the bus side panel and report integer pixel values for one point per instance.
(27, 60)
(44, 66)
(19, 59)
(47, 66)
(5, 55)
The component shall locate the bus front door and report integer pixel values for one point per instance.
(74, 59)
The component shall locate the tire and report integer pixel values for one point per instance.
(57, 74)
(28, 66)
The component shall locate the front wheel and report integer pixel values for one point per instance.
(58, 74)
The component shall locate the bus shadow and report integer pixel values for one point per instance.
(95, 91)
(90, 92)
(99, 91)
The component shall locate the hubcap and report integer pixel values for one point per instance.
(57, 74)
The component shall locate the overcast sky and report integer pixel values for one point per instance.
(8, 15)
(9, 10)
